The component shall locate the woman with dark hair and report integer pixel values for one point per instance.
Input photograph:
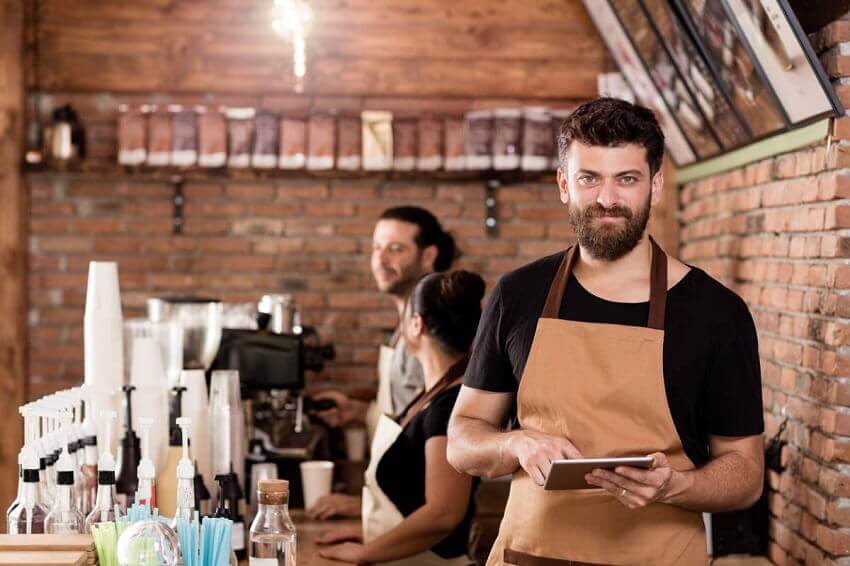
(416, 508)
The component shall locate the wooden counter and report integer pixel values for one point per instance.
(307, 531)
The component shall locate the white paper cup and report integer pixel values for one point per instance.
(355, 443)
(316, 479)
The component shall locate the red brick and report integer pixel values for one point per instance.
(169, 244)
(348, 190)
(276, 209)
(202, 226)
(233, 263)
(520, 194)
(540, 248)
(409, 192)
(44, 209)
(213, 209)
(357, 300)
(193, 191)
(834, 541)
(463, 193)
(258, 226)
(835, 483)
(543, 213)
(51, 226)
(330, 209)
(331, 245)
(278, 245)
(302, 190)
(224, 245)
(838, 512)
(99, 226)
(65, 244)
(490, 248)
(255, 191)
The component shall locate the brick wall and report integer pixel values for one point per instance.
(305, 234)
(776, 231)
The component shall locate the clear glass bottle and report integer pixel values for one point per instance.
(64, 517)
(17, 500)
(44, 496)
(272, 536)
(88, 475)
(104, 505)
(28, 517)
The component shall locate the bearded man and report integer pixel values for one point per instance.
(611, 348)
(408, 242)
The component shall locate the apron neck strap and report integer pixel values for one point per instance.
(452, 376)
(657, 285)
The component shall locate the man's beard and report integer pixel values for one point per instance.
(609, 242)
(407, 279)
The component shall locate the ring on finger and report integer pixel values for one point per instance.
(623, 492)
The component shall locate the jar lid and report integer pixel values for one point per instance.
(273, 486)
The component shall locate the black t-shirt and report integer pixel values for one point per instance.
(401, 472)
(711, 358)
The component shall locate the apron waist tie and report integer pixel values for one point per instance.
(525, 559)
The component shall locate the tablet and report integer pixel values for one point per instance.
(569, 474)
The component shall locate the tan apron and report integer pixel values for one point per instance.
(601, 386)
(379, 513)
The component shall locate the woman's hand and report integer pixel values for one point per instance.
(341, 534)
(335, 505)
(347, 552)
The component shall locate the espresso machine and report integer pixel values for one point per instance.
(272, 361)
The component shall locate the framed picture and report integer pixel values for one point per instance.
(786, 58)
(720, 74)
(712, 99)
(635, 73)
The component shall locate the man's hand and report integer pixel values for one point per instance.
(536, 451)
(352, 533)
(635, 487)
(335, 505)
(347, 410)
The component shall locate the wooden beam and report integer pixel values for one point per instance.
(13, 330)
(239, 12)
(474, 48)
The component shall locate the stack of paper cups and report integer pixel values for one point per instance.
(103, 343)
(196, 407)
(151, 396)
(224, 392)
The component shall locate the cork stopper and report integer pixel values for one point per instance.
(273, 487)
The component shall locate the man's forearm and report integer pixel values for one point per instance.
(727, 483)
(480, 449)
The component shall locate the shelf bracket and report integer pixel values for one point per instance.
(491, 223)
(177, 200)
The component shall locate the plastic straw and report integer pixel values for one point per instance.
(215, 541)
(106, 543)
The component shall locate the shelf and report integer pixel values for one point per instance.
(109, 171)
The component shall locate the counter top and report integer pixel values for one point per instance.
(307, 531)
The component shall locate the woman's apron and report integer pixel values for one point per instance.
(383, 404)
(602, 387)
(379, 513)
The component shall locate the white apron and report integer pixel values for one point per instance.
(383, 404)
(379, 513)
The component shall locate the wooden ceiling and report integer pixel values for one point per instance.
(434, 48)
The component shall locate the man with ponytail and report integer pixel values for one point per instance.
(408, 242)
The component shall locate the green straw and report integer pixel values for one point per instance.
(106, 543)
